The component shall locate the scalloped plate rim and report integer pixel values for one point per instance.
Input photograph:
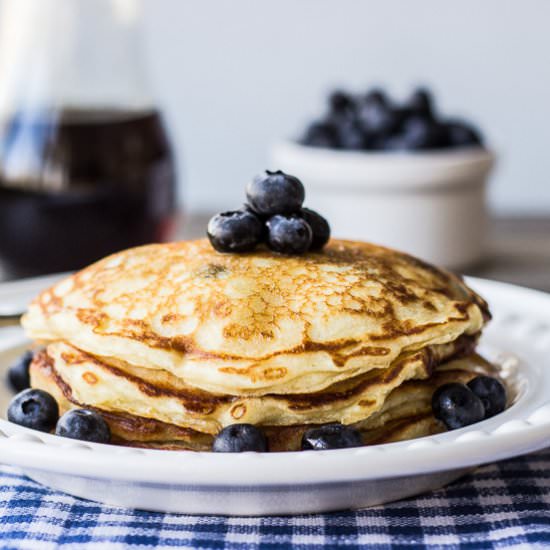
(504, 436)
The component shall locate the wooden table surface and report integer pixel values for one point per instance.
(517, 249)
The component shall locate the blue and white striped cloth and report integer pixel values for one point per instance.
(500, 505)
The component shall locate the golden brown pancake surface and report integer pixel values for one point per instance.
(259, 323)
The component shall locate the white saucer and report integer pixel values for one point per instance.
(290, 483)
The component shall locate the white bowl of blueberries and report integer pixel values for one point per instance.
(395, 174)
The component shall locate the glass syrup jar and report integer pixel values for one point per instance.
(86, 165)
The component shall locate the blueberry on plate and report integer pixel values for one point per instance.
(320, 134)
(237, 231)
(331, 436)
(84, 425)
(239, 438)
(319, 227)
(35, 409)
(289, 234)
(457, 406)
(491, 392)
(18, 373)
(272, 193)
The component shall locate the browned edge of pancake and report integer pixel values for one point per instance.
(200, 402)
(397, 289)
(135, 431)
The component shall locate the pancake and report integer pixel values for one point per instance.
(406, 413)
(171, 343)
(258, 324)
(126, 429)
(159, 395)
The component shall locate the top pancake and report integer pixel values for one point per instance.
(257, 323)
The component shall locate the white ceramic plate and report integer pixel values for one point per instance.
(289, 483)
(15, 296)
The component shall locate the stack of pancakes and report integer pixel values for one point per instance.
(173, 342)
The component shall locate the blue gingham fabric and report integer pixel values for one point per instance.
(504, 505)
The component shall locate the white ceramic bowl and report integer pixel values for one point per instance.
(429, 204)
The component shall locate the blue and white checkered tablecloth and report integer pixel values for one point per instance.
(504, 505)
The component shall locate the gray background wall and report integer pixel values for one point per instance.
(234, 75)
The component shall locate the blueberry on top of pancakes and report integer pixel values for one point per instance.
(271, 193)
(237, 231)
(289, 234)
(273, 216)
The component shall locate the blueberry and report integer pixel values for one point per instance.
(349, 135)
(420, 133)
(289, 234)
(393, 143)
(239, 438)
(341, 103)
(401, 114)
(491, 392)
(331, 436)
(273, 193)
(376, 95)
(34, 409)
(440, 138)
(263, 219)
(457, 406)
(320, 134)
(238, 231)
(85, 425)
(460, 134)
(319, 228)
(377, 118)
(18, 374)
(420, 103)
